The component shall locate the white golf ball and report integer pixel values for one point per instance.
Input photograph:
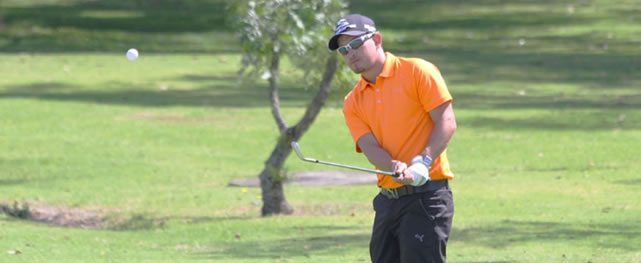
(132, 54)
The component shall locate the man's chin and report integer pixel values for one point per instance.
(357, 70)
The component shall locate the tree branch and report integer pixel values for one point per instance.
(315, 106)
(273, 92)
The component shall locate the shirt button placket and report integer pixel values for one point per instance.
(379, 111)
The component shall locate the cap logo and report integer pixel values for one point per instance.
(369, 28)
(342, 26)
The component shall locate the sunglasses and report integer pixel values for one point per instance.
(354, 44)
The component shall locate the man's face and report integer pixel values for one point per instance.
(358, 58)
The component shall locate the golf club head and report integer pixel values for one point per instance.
(296, 149)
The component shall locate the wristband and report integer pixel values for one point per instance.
(425, 159)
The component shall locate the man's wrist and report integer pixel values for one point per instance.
(394, 164)
(425, 159)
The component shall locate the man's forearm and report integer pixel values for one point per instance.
(379, 158)
(440, 137)
(444, 127)
(376, 155)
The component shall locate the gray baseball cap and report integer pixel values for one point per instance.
(351, 25)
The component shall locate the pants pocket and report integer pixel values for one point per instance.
(439, 210)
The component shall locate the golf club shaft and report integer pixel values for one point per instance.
(350, 167)
(300, 155)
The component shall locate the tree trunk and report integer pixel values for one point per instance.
(272, 177)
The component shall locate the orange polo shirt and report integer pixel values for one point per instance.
(395, 110)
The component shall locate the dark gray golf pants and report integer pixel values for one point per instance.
(412, 228)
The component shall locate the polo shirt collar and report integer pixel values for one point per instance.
(388, 70)
(389, 66)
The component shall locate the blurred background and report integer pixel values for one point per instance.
(104, 159)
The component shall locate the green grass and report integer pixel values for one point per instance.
(546, 155)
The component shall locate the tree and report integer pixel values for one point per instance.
(298, 30)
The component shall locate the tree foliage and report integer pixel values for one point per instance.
(295, 29)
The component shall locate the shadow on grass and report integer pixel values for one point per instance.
(473, 16)
(108, 24)
(591, 71)
(207, 78)
(9, 182)
(604, 120)
(630, 182)
(625, 236)
(301, 246)
(225, 93)
(561, 101)
(128, 16)
(142, 222)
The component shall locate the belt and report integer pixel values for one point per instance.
(397, 193)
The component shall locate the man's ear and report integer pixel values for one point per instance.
(378, 38)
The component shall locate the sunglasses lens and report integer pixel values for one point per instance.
(343, 50)
(356, 43)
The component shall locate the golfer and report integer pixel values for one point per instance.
(400, 116)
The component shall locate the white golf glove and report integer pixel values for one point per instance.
(419, 171)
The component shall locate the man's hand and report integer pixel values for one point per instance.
(416, 175)
(401, 168)
(419, 173)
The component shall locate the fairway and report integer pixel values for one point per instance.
(546, 155)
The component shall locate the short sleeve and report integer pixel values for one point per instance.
(431, 88)
(355, 123)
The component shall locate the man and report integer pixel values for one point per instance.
(400, 116)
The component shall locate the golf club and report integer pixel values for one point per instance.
(302, 157)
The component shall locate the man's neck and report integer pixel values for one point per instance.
(371, 74)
